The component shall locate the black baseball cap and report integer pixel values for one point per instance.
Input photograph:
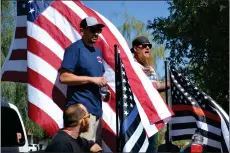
(139, 41)
(90, 22)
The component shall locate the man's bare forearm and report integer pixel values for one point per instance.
(95, 148)
(161, 86)
(72, 79)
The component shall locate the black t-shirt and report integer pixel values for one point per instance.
(63, 142)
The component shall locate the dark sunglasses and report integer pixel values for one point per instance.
(145, 45)
(95, 30)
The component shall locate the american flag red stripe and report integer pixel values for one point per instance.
(43, 119)
(14, 76)
(19, 54)
(109, 136)
(20, 32)
(46, 87)
(54, 30)
(14, 68)
(46, 53)
(197, 111)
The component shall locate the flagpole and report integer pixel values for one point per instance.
(119, 99)
(168, 139)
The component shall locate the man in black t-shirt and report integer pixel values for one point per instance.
(68, 139)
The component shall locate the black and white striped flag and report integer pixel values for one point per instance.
(195, 110)
(133, 136)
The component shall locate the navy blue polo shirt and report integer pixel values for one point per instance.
(83, 60)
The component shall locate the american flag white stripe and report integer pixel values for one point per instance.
(58, 20)
(43, 68)
(211, 143)
(15, 65)
(224, 128)
(75, 8)
(42, 118)
(133, 139)
(145, 145)
(182, 119)
(46, 39)
(219, 110)
(109, 116)
(201, 125)
(109, 75)
(151, 129)
(183, 131)
(21, 21)
(48, 106)
(20, 44)
(209, 128)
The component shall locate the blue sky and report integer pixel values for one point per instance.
(142, 10)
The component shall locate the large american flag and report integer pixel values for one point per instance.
(194, 110)
(43, 30)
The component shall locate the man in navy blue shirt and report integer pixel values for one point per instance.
(82, 70)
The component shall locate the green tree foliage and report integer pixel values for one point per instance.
(6, 28)
(15, 93)
(197, 33)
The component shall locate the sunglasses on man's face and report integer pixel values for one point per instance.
(145, 46)
(86, 116)
(95, 30)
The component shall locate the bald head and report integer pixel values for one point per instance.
(73, 114)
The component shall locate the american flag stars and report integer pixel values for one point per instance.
(128, 100)
(184, 92)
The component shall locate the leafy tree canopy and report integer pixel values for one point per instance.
(197, 34)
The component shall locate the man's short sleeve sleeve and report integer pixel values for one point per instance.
(70, 59)
(103, 69)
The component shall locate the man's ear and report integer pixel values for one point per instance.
(82, 122)
(135, 49)
(81, 31)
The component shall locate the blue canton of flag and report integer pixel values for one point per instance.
(35, 8)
